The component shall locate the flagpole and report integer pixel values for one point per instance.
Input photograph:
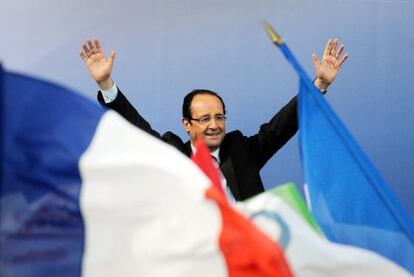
(278, 41)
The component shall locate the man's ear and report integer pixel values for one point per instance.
(186, 124)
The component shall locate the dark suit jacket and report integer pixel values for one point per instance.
(241, 157)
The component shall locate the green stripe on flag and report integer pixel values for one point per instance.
(292, 197)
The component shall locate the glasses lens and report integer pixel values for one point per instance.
(220, 118)
(204, 120)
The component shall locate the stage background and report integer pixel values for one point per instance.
(167, 48)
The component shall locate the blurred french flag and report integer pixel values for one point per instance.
(84, 193)
(44, 131)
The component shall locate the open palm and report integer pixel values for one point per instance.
(99, 66)
(327, 68)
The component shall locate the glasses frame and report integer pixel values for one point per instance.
(220, 119)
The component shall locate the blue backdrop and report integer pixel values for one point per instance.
(167, 48)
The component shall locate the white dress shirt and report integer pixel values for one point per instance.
(216, 159)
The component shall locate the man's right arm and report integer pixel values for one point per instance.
(100, 68)
(121, 105)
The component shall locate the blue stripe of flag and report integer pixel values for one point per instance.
(45, 129)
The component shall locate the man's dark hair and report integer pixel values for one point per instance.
(189, 98)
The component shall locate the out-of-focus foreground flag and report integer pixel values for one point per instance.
(84, 193)
(349, 199)
(309, 253)
(282, 215)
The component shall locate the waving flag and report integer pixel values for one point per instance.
(350, 200)
(292, 197)
(44, 131)
(308, 253)
(84, 193)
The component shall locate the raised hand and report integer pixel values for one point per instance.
(99, 66)
(328, 67)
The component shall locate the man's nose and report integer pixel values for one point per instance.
(212, 124)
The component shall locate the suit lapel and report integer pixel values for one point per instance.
(227, 169)
(187, 149)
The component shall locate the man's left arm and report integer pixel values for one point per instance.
(283, 126)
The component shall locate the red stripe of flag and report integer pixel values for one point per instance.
(247, 251)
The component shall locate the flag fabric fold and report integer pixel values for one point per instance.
(248, 251)
(291, 196)
(85, 193)
(308, 253)
(44, 130)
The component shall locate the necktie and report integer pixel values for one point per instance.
(226, 189)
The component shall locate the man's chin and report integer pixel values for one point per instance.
(213, 148)
(213, 142)
(213, 145)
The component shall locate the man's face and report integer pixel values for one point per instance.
(205, 106)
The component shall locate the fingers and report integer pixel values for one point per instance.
(344, 58)
(338, 54)
(333, 48)
(315, 59)
(328, 47)
(98, 45)
(87, 52)
(90, 47)
(83, 56)
(111, 57)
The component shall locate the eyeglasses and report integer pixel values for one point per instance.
(204, 120)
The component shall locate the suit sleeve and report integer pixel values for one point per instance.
(122, 106)
(274, 134)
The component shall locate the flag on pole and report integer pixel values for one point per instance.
(350, 200)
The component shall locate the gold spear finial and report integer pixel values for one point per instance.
(276, 39)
